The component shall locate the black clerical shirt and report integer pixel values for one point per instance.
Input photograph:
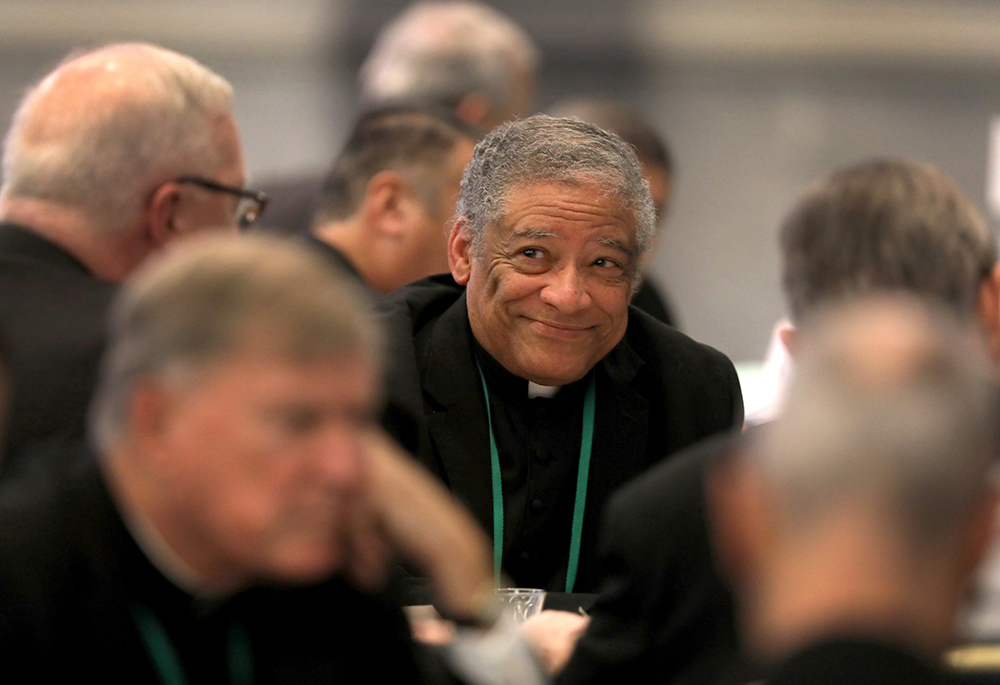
(538, 441)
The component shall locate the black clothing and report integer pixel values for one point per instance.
(72, 581)
(52, 323)
(657, 392)
(837, 662)
(339, 261)
(663, 615)
(333, 256)
(538, 440)
(650, 299)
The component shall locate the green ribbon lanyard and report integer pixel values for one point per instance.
(582, 474)
(167, 662)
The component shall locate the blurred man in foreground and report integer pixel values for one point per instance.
(115, 154)
(852, 524)
(875, 227)
(386, 206)
(238, 470)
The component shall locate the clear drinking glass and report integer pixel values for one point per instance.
(519, 602)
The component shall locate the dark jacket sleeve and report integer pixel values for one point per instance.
(664, 615)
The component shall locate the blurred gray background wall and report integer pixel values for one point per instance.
(757, 99)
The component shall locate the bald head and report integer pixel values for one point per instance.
(99, 134)
(459, 54)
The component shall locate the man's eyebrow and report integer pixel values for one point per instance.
(532, 233)
(617, 245)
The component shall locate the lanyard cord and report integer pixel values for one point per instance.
(167, 662)
(582, 475)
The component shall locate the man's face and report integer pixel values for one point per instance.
(261, 462)
(549, 296)
(428, 253)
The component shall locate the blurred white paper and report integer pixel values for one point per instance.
(993, 171)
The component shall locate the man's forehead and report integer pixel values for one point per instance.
(566, 198)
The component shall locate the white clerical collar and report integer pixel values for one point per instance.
(536, 390)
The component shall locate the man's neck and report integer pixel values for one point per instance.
(153, 527)
(347, 237)
(105, 256)
(847, 582)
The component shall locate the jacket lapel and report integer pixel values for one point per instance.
(620, 431)
(456, 418)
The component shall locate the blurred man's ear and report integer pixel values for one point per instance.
(160, 212)
(738, 514)
(989, 310)
(149, 411)
(387, 205)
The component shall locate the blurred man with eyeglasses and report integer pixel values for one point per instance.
(112, 156)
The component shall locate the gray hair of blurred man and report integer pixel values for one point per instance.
(892, 407)
(100, 159)
(543, 149)
(886, 225)
(212, 297)
(442, 51)
(415, 141)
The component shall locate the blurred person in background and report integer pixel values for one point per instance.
(463, 56)
(112, 156)
(386, 207)
(239, 484)
(852, 524)
(879, 226)
(658, 169)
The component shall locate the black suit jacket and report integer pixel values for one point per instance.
(657, 392)
(52, 324)
(664, 615)
(72, 578)
(858, 662)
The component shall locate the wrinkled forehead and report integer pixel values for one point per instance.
(543, 194)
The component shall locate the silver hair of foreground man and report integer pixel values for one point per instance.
(217, 298)
(892, 406)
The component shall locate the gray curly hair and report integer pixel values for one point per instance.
(543, 149)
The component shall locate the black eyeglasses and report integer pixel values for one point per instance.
(250, 206)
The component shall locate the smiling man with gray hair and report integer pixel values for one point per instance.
(536, 389)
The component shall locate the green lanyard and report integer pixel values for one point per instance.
(582, 474)
(167, 662)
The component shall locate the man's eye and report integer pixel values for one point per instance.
(605, 263)
(531, 252)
